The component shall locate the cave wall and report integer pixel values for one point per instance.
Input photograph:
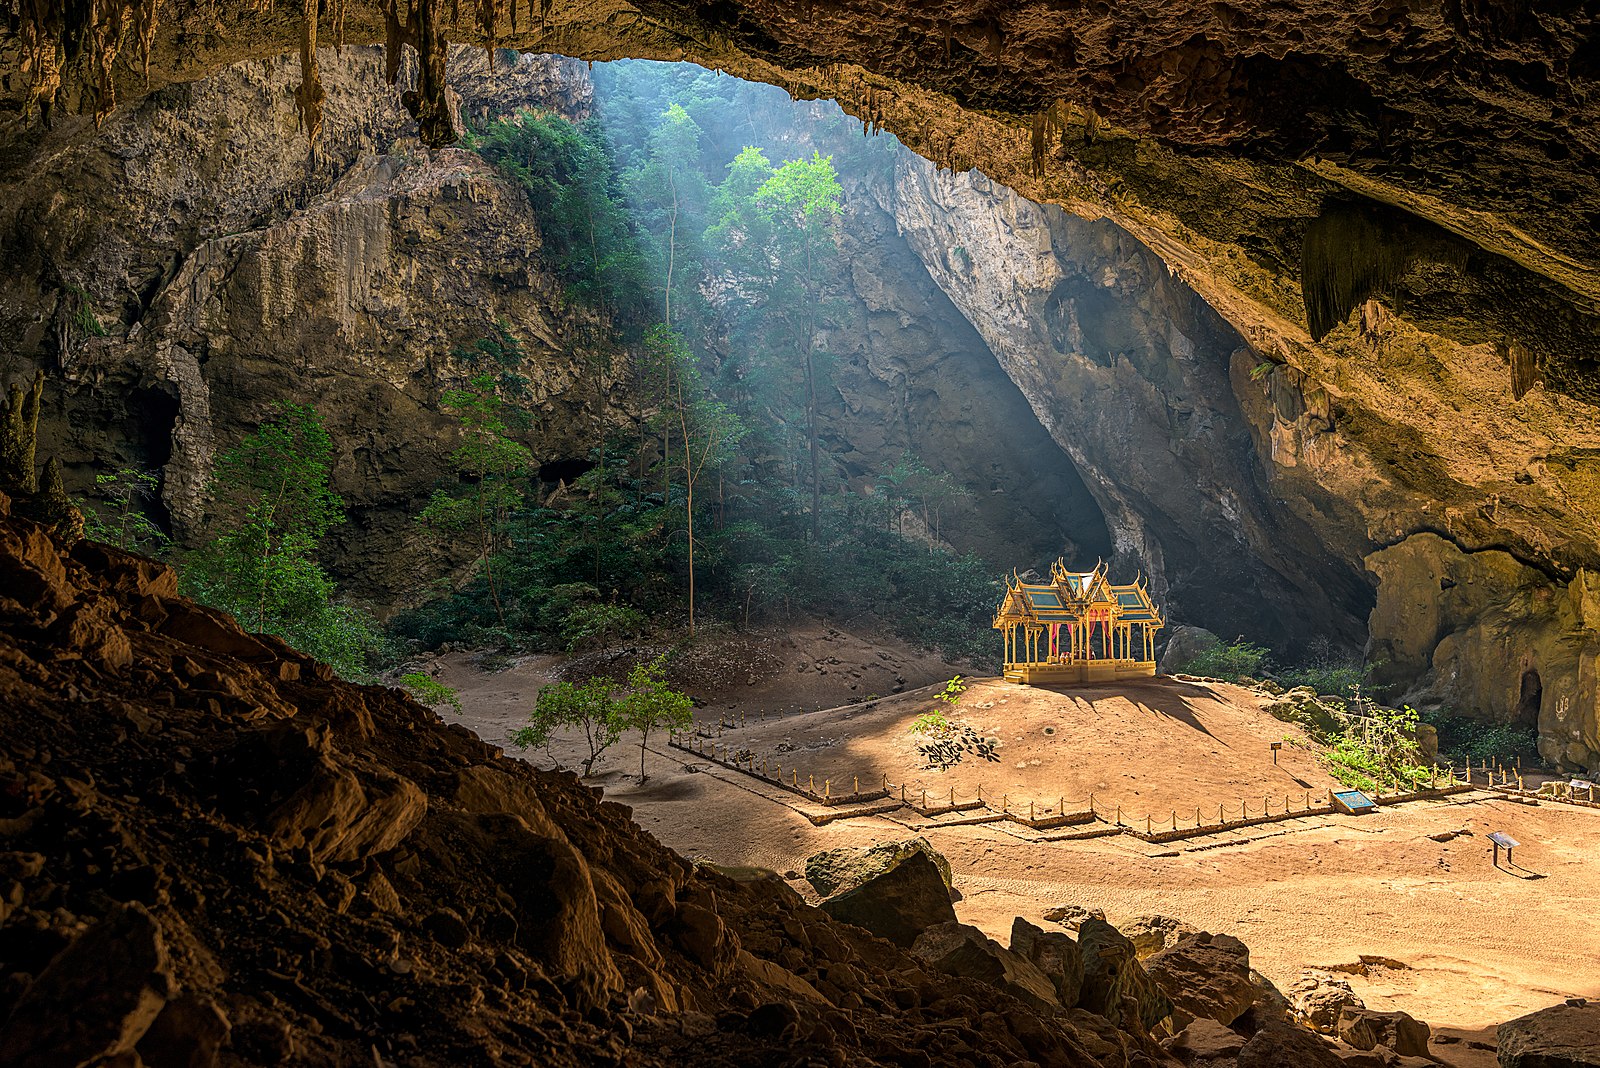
(1133, 375)
(228, 264)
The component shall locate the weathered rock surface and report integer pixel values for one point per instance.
(1151, 934)
(1366, 1028)
(1184, 643)
(1203, 1041)
(1114, 981)
(1562, 1036)
(1053, 953)
(1205, 976)
(963, 950)
(836, 870)
(156, 913)
(1317, 998)
(899, 903)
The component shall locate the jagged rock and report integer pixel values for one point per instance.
(1183, 645)
(1206, 976)
(1366, 1028)
(1152, 934)
(1562, 1036)
(1280, 1045)
(836, 870)
(958, 949)
(334, 813)
(1053, 953)
(898, 904)
(1114, 980)
(190, 1032)
(1072, 915)
(1204, 1040)
(96, 999)
(1316, 999)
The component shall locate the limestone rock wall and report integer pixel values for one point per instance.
(199, 261)
(1481, 633)
(1132, 374)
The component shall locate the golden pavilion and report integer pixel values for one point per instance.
(1077, 627)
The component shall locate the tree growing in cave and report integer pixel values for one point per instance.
(775, 230)
(492, 468)
(270, 505)
(651, 704)
(708, 430)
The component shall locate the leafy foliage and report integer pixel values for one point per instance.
(270, 507)
(1226, 660)
(588, 707)
(429, 690)
(1467, 738)
(651, 704)
(1382, 754)
(117, 513)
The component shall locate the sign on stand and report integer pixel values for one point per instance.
(1353, 802)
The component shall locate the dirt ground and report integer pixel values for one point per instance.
(1478, 945)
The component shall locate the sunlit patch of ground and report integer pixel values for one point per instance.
(1480, 945)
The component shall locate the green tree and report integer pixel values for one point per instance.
(270, 505)
(651, 704)
(708, 431)
(589, 707)
(492, 468)
(670, 192)
(116, 515)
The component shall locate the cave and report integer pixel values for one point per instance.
(1530, 699)
(502, 509)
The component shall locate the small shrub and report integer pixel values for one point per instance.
(430, 691)
(1466, 738)
(1226, 660)
(597, 624)
(930, 723)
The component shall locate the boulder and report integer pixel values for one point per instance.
(1184, 645)
(1113, 979)
(1205, 1040)
(96, 999)
(899, 903)
(1317, 998)
(189, 1033)
(1562, 1036)
(1072, 915)
(1152, 934)
(1206, 977)
(1366, 1028)
(1283, 1045)
(837, 870)
(957, 949)
(1053, 953)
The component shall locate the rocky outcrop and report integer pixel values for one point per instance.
(1115, 984)
(208, 263)
(194, 874)
(1132, 374)
(962, 950)
(1562, 1036)
(1485, 633)
(1364, 1029)
(1205, 976)
(899, 902)
(835, 870)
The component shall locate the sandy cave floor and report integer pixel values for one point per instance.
(1479, 945)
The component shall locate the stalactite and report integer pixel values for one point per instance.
(1047, 124)
(423, 32)
(1524, 366)
(1349, 252)
(19, 436)
(308, 97)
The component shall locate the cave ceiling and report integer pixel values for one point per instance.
(1467, 131)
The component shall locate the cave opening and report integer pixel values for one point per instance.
(1530, 697)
